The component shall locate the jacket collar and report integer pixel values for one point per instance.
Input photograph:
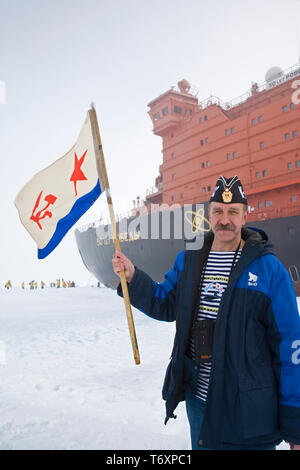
(251, 236)
(257, 243)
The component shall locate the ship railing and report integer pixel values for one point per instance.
(123, 215)
(274, 213)
(105, 220)
(152, 190)
(256, 215)
(226, 106)
(95, 224)
(287, 74)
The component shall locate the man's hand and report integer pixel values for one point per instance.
(121, 263)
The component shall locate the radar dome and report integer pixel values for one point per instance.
(184, 86)
(273, 73)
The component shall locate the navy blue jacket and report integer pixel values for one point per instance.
(254, 392)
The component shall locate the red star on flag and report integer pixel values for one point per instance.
(78, 174)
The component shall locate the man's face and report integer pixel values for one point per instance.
(227, 220)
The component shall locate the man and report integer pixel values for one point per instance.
(236, 354)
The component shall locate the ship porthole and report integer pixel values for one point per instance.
(294, 273)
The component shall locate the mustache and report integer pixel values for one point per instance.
(228, 227)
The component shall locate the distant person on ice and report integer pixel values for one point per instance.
(236, 354)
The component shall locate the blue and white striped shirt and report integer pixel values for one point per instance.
(215, 280)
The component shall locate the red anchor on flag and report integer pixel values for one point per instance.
(50, 199)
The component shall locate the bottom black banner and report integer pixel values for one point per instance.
(155, 458)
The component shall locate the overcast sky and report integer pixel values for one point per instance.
(57, 56)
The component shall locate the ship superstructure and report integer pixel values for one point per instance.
(256, 136)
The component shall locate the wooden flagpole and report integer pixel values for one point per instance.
(104, 183)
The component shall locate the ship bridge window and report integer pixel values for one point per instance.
(226, 131)
(297, 163)
(268, 203)
(228, 156)
(232, 130)
(205, 117)
(260, 204)
(264, 173)
(156, 116)
(287, 136)
(257, 174)
(165, 111)
(177, 109)
(290, 165)
(293, 199)
(253, 122)
(234, 154)
(261, 145)
(292, 106)
(295, 134)
(206, 140)
(260, 118)
(284, 109)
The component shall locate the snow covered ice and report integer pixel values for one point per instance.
(68, 377)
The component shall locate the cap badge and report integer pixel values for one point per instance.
(227, 195)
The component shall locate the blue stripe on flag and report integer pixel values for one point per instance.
(63, 226)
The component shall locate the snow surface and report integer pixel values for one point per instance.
(68, 377)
